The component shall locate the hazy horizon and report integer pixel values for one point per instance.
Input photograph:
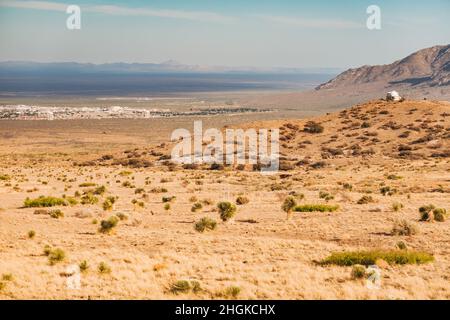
(259, 34)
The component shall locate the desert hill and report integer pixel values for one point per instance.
(410, 130)
(428, 67)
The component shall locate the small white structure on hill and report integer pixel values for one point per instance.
(393, 96)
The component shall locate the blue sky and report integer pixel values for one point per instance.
(258, 33)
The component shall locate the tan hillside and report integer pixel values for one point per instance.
(425, 68)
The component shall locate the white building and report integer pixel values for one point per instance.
(393, 96)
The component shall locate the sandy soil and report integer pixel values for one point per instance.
(260, 252)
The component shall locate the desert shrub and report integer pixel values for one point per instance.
(72, 201)
(125, 173)
(31, 234)
(87, 184)
(358, 271)
(47, 250)
(158, 190)
(7, 277)
(326, 196)
(2, 285)
(404, 228)
(313, 127)
(107, 205)
(84, 266)
(56, 214)
(288, 205)
(431, 213)
(196, 206)
(369, 257)
(184, 286)
(241, 200)
(316, 207)
(103, 268)
(347, 186)
(365, 200)
(56, 255)
(439, 214)
(394, 177)
(388, 191)
(4, 177)
(397, 206)
(193, 199)
(401, 245)
(122, 216)
(227, 210)
(139, 190)
(107, 226)
(167, 206)
(232, 291)
(43, 201)
(100, 190)
(168, 199)
(205, 224)
(180, 286)
(89, 198)
(41, 211)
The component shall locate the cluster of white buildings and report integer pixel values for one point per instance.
(25, 112)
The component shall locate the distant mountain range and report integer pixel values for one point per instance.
(170, 66)
(425, 68)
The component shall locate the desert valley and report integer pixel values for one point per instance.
(358, 210)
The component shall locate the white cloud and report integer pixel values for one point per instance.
(312, 23)
(121, 10)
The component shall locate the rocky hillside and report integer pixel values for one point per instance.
(408, 130)
(425, 68)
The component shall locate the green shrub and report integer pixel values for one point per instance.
(397, 206)
(89, 199)
(103, 268)
(56, 213)
(439, 214)
(4, 177)
(84, 266)
(404, 228)
(107, 226)
(167, 206)
(326, 196)
(100, 190)
(43, 201)
(56, 255)
(358, 271)
(205, 224)
(289, 204)
(367, 258)
(180, 286)
(316, 208)
(227, 210)
(7, 277)
(184, 286)
(87, 184)
(232, 291)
